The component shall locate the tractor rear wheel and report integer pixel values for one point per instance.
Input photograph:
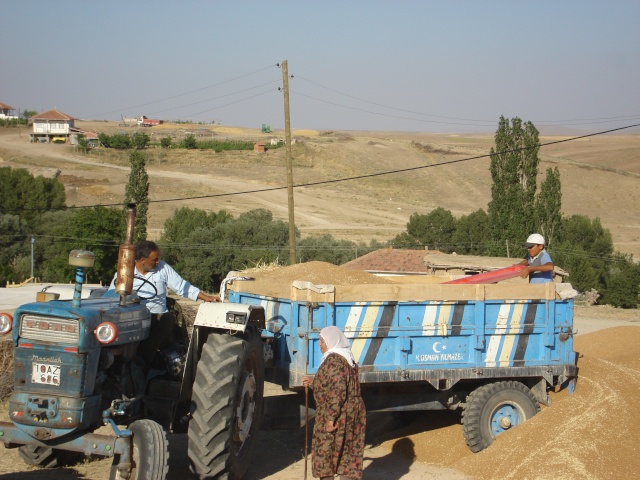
(493, 409)
(149, 453)
(227, 400)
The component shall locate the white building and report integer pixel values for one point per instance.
(51, 126)
(5, 112)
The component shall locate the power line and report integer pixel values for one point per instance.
(216, 98)
(182, 94)
(572, 122)
(107, 244)
(345, 179)
(231, 103)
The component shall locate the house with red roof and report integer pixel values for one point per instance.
(51, 126)
(6, 112)
(438, 266)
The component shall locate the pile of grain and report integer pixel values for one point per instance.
(318, 273)
(593, 433)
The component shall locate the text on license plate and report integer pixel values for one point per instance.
(45, 373)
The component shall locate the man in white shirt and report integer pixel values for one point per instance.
(153, 277)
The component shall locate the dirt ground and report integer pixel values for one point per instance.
(600, 177)
(591, 434)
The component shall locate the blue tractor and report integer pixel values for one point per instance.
(76, 369)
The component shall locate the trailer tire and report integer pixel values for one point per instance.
(494, 408)
(227, 405)
(149, 453)
(47, 457)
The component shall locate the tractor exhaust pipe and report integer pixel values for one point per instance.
(127, 258)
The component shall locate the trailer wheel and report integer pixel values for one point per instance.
(149, 453)
(227, 400)
(47, 457)
(493, 409)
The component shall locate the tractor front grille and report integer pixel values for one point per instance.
(49, 329)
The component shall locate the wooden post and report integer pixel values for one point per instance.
(287, 137)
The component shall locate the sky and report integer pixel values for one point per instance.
(423, 66)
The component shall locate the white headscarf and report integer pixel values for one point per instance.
(336, 342)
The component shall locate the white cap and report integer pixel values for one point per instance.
(534, 239)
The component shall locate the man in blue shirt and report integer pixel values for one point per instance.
(538, 264)
(153, 277)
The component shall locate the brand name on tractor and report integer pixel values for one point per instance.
(439, 357)
(50, 326)
(38, 358)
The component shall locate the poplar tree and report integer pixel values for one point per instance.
(548, 203)
(137, 191)
(514, 168)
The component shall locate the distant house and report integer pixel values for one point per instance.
(6, 112)
(391, 261)
(398, 262)
(51, 126)
(91, 137)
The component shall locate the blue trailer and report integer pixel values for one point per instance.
(494, 350)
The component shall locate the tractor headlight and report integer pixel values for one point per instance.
(106, 332)
(6, 322)
(235, 317)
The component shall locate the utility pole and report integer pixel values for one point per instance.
(287, 138)
(33, 240)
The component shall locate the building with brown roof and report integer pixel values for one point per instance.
(6, 112)
(51, 126)
(398, 262)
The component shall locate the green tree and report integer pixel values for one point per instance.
(98, 229)
(83, 144)
(471, 234)
(574, 259)
(27, 196)
(182, 224)
(593, 239)
(406, 241)
(222, 243)
(120, 141)
(104, 139)
(137, 191)
(548, 204)
(189, 142)
(514, 168)
(324, 248)
(434, 230)
(13, 245)
(27, 114)
(622, 282)
(165, 142)
(140, 140)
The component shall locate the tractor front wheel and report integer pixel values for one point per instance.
(149, 453)
(227, 405)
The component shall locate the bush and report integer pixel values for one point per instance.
(165, 142)
(189, 142)
(6, 368)
(140, 140)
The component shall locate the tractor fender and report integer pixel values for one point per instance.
(220, 318)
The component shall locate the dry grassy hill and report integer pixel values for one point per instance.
(600, 177)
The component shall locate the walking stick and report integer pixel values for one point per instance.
(306, 429)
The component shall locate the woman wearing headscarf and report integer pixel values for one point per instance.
(338, 433)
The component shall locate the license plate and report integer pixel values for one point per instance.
(45, 374)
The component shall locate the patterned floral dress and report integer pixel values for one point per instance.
(336, 391)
